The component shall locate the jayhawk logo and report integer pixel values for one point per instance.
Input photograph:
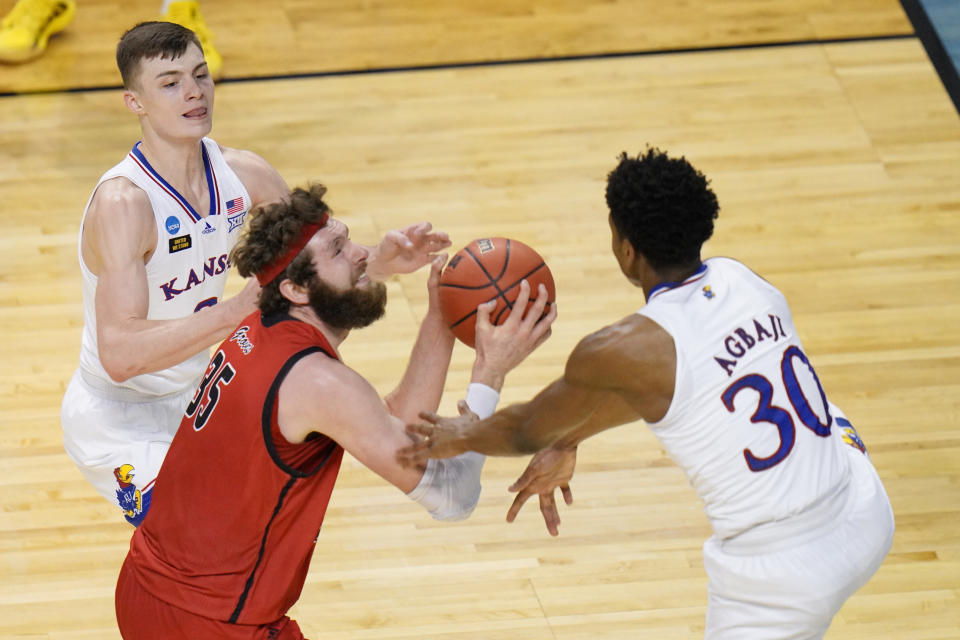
(128, 496)
(850, 435)
(852, 438)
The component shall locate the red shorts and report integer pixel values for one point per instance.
(143, 616)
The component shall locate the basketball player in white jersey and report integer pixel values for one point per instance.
(153, 247)
(714, 365)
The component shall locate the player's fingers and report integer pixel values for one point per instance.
(439, 240)
(403, 458)
(544, 327)
(436, 266)
(430, 417)
(518, 503)
(417, 230)
(541, 339)
(545, 321)
(413, 455)
(520, 483)
(567, 494)
(524, 480)
(551, 517)
(399, 238)
(464, 408)
(419, 431)
(535, 312)
(483, 313)
(520, 304)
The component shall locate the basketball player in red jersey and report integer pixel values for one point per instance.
(713, 363)
(153, 247)
(241, 496)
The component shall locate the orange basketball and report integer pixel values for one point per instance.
(489, 269)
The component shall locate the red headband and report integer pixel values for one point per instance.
(278, 266)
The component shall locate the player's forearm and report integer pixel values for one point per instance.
(560, 414)
(136, 346)
(512, 432)
(487, 373)
(506, 433)
(421, 386)
(608, 410)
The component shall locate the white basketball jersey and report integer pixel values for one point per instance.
(749, 419)
(189, 266)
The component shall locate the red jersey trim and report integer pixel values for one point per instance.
(266, 418)
(263, 545)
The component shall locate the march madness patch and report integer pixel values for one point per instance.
(179, 243)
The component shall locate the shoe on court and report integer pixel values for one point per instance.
(25, 30)
(187, 14)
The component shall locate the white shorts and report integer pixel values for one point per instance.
(118, 438)
(789, 586)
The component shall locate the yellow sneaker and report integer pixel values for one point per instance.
(28, 26)
(187, 14)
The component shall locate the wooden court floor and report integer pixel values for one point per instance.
(837, 165)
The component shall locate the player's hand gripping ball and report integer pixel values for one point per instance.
(490, 269)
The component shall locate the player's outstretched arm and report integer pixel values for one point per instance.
(422, 383)
(586, 400)
(617, 375)
(561, 409)
(118, 235)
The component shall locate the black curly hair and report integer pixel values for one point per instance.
(663, 206)
(270, 232)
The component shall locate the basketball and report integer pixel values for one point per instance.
(489, 269)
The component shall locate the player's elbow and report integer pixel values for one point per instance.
(118, 366)
(396, 408)
(117, 373)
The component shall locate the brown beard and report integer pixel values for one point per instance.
(351, 309)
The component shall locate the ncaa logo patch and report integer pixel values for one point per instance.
(173, 224)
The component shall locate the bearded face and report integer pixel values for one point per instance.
(354, 308)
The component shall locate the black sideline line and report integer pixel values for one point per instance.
(501, 63)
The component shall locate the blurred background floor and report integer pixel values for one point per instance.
(307, 36)
(834, 150)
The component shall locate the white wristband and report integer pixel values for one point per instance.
(482, 399)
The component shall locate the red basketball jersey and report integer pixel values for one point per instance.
(236, 508)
